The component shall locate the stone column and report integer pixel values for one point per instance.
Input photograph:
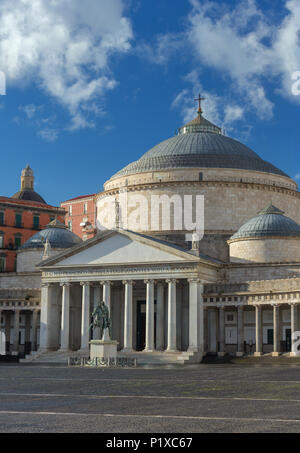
(2, 336)
(258, 331)
(85, 317)
(107, 294)
(128, 319)
(276, 331)
(45, 323)
(149, 316)
(33, 329)
(65, 317)
(221, 332)
(196, 332)
(97, 299)
(27, 330)
(293, 330)
(16, 331)
(7, 329)
(206, 333)
(172, 322)
(160, 311)
(240, 331)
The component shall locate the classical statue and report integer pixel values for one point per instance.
(101, 319)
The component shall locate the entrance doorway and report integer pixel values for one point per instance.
(288, 339)
(141, 325)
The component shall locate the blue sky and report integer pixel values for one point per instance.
(92, 85)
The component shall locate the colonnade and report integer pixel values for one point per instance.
(240, 326)
(155, 302)
(12, 320)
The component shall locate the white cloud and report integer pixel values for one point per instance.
(48, 134)
(243, 45)
(64, 46)
(216, 109)
(30, 110)
(234, 43)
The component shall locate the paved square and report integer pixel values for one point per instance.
(203, 398)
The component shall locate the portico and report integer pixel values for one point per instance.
(155, 305)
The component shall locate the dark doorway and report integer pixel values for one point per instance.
(141, 325)
(288, 336)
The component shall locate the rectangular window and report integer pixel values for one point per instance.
(1, 218)
(36, 222)
(85, 208)
(1, 241)
(18, 220)
(18, 241)
(70, 225)
(70, 210)
(2, 264)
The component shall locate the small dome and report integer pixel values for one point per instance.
(57, 235)
(271, 222)
(29, 195)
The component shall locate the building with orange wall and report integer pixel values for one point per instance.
(21, 216)
(81, 215)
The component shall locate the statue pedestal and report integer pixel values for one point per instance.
(103, 348)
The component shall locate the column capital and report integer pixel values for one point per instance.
(106, 282)
(171, 280)
(85, 284)
(293, 304)
(275, 305)
(128, 282)
(67, 284)
(194, 280)
(45, 285)
(149, 281)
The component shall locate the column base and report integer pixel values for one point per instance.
(257, 354)
(172, 350)
(64, 350)
(239, 354)
(194, 349)
(84, 351)
(275, 354)
(221, 354)
(148, 350)
(292, 354)
(127, 350)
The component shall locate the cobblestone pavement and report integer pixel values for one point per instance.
(203, 398)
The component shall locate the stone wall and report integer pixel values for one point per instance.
(205, 174)
(273, 250)
(28, 259)
(252, 272)
(26, 280)
(227, 206)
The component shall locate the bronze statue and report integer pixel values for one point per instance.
(101, 318)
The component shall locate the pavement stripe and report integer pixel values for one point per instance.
(61, 395)
(125, 380)
(139, 416)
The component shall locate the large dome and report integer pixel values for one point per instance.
(56, 234)
(199, 144)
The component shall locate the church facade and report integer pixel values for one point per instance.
(173, 295)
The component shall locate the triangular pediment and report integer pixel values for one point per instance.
(121, 248)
